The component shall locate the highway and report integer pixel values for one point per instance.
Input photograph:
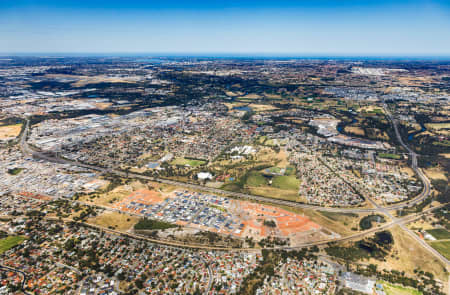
(27, 150)
(413, 156)
(425, 192)
(356, 236)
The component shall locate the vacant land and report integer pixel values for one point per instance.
(262, 107)
(341, 223)
(407, 254)
(10, 242)
(114, 220)
(437, 126)
(435, 173)
(85, 80)
(354, 130)
(371, 109)
(408, 170)
(10, 131)
(391, 289)
(113, 196)
(276, 193)
(251, 96)
(190, 162)
(442, 247)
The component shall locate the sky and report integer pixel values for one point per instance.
(247, 27)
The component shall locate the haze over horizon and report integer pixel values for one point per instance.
(321, 28)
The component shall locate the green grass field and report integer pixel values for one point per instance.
(15, 171)
(290, 170)
(150, 224)
(256, 179)
(389, 156)
(442, 247)
(190, 162)
(376, 111)
(391, 289)
(10, 242)
(286, 182)
(439, 233)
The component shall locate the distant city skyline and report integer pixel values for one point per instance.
(264, 28)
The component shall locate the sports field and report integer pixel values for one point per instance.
(286, 182)
(389, 156)
(190, 162)
(10, 242)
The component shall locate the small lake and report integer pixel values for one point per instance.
(243, 108)
(411, 136)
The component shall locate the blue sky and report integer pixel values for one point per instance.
(233, 27)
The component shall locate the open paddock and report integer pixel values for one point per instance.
(9, 132)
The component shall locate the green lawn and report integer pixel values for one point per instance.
(376, 111)
(442, 247)
(389, 156)
(15, 171)
(391, 289)
(439, 233)
(256, 179)
(286, 182)
(190, 162)
(150, 224)
(290, 170)
(10, 242)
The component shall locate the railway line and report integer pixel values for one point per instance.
(27, 150)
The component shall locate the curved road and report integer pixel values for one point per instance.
(377, 208)
(426, 183)
(7, 268)
(27, 150)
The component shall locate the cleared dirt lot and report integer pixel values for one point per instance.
(116, 220)
(435, 173)
(10, 131)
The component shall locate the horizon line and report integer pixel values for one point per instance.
(224, 54)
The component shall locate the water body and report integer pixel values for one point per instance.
(339, 128)
(243, 108)
(411, 136)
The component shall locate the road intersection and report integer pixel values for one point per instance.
(27, 150)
